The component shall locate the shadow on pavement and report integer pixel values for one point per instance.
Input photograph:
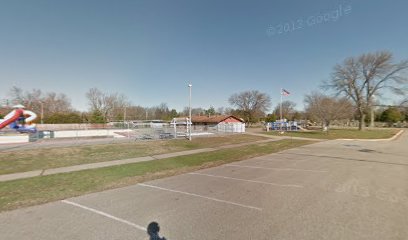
(153, 230)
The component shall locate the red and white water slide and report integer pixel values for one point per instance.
(11, 117)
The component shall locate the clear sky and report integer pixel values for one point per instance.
(150, 49)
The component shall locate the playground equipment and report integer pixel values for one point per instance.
(20, 120)
(181, 127)
(282, 126)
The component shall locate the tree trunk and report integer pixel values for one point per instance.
(361, 124)
(372, 117)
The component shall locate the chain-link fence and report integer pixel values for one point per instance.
(74, 134)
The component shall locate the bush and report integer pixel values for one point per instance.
(63, 118)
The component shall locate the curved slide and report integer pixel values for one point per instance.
(11, 117)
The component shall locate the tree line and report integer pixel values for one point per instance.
(355, 86)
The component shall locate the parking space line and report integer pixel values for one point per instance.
(201, 196)
(104, 214)
(277, 169)
(246, 180)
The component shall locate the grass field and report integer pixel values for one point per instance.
(32, 191)
(341, 133)
(46, 158)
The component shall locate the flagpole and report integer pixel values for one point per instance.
(281, 120)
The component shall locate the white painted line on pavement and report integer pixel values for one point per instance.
(246, 180)
(200, 196)
(104, 214)
(277, 169)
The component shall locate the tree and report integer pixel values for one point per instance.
(162, 112)
(210, 111)
(271, 117)
(173, 113)
(137, 113)
(326, 109)
(56, 103)
(221, 111)
(288, 109)
(63, 118)
(297, 115)
(251, 105)
(49, 103)
(97, 117)
(391, 115)
(361, 78)
(109, 106)
(404, 108)
(194, 111)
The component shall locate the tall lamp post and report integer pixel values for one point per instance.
(189, 113)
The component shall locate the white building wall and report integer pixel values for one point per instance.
(231, 127)
(14, 139)
(89, 133)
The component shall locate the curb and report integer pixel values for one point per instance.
(375, 140)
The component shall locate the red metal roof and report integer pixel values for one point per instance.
(213, 119)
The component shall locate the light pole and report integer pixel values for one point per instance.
(189, 106)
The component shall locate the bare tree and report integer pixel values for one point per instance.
(361, 78)
(404, 103)
(119, 106)
(27, 98)
(17, 95)
(221, 110)
(162, 112)
(56, 103)
(94, 97)
(251, 104)
(194, 111)
(137, 113)
(48, 103)
(109, 105)
(288, 109)
(326, 109)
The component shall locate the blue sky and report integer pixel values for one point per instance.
(150, 49)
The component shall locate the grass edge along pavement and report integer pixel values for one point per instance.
(37, 190)
(46, 158)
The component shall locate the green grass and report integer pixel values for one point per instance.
(341, 133)
(46, 158)
(37, 190)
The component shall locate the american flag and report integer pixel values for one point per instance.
(285, 92)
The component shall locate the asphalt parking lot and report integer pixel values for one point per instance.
(327, 190)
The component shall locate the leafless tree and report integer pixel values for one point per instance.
(162, 112)
(326, 109)
(27, 98)
(288, 109)
(137, 113)
(194, 111)
(361, 78)
(221, 110)
(37, 101)
(56, 103)
(17, 95)
(404, 103)
(110, 105)
(251, 104)
(95, 99)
